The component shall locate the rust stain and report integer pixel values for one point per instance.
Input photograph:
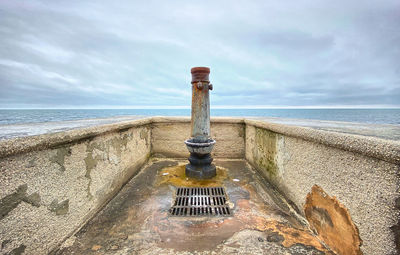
(147, 223)
(194, 234)
(176, 176)
(291, 235)
(332, 221)
(246, 216)
(96, 247)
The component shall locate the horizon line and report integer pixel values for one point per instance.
(222, 107)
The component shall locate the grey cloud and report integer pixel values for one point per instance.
(87, 53)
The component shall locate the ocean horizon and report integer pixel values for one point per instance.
(364, 115)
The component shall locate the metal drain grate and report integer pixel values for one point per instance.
(200, 202)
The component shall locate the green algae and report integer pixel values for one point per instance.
(265, 150)
(18, 251)
(61, 208)
(90, 163)
(144, 135)
(59, 158)
(118, 144)
(10, 202)
(33, 199)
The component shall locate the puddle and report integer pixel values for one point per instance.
(176, 176)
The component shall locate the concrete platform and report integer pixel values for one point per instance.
(136, 221)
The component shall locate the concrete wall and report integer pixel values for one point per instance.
(360, 173)
(168, 135)
(52, 184)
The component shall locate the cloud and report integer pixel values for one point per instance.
(303, 53)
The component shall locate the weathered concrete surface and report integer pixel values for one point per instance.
(136, 221)
(30, 129)
(47, 180)
(48, 194)
(332, 221)
(21, 145)
(384, 131)
(168, 135)
(387, 150)
(364, 180)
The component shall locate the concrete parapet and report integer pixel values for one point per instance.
(168, 135)
(53, 183)
(360, 173)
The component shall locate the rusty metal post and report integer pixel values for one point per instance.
(200, 103)
(200, 145)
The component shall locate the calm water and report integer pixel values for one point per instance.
(376, 116)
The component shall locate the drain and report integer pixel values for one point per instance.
(200, 202)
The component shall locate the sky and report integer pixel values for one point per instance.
(138, 54)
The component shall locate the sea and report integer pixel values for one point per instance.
(21, 122)
(371, 116)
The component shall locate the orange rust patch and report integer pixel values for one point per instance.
(290, 235)
(246, 216)
(332, 221)
(193, 235)
(96, 247)
(176, 176)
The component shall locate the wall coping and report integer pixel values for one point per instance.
(383, 149)
(227, 120)
(20, 145)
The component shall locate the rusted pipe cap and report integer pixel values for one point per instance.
(200, 74)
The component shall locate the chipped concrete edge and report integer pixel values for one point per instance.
(20, 145)
(386, 150)
(15, 146)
